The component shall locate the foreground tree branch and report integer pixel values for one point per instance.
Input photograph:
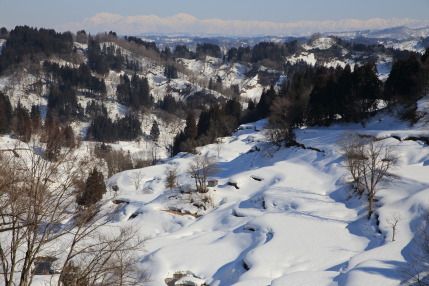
(39, 217)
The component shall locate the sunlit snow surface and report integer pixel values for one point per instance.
(298, 224)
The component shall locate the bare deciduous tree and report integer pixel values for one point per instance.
(284, 115)
(39, 218)
(171, 179)
(369, 162)
(35, 197)
(393, 223)
(201, 168)
(97, 257)
(154, 149)
(137, 178)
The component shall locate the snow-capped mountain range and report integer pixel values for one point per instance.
(190, 25)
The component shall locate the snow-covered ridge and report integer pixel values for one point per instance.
(320, 43)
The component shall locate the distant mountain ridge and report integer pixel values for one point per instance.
(397, 33)
(184, 24)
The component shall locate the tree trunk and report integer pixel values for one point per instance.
(370, 208)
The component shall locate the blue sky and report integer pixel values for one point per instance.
(49, 13)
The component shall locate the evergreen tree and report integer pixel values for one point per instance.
(96, 60)
(321, 106)
(135, 92)
(203, 123)
(185, 140)
(5, 114)
(64, 101)
(22, 125)
(170, 72)
(181, 51)
(68, 137)
(94, 189)
(166, 54)
(367, 87)
(36, 118)
(191, 126)
(102, 129)
(208, 49)
(264, 104)
(404, 83)
(129, 128)
(53, 142)
(345, 96)
(169, 104)
(123, 91)
(233, 108)
(178, 141)
(154, 131)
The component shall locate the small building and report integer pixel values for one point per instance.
(212, 183)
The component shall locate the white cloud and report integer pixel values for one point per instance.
(187, 24)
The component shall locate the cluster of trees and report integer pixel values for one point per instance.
(316, 96)
(408, 80)
(170, 104)
(118, 160)
(25, 43)
(344, 94)
(266, 53)
(320, 95)
(207, 49)
(140, 42)
(182, 51)
(272, 54)
(76, 77)
(219, 120)
(103, 129)
(170, 72)
(134, 92)
(102, 58)
(94, 109)
(4, 33)
(62, 101)
(24, 124)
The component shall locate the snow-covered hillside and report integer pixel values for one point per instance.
(280, 216)
(277, 216)
(19, 87)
